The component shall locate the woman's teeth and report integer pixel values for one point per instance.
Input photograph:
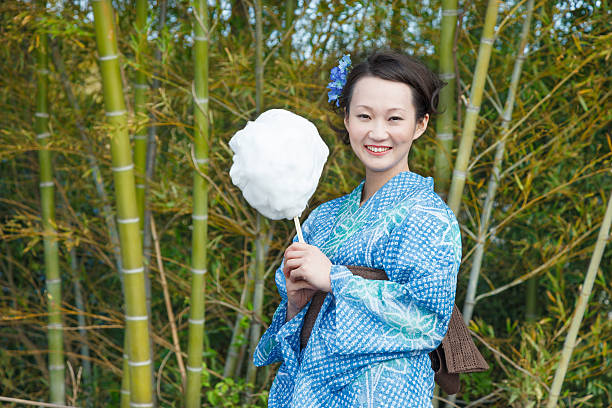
(377, 149)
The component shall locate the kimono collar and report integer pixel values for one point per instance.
(395, 188)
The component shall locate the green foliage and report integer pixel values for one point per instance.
(545, 218)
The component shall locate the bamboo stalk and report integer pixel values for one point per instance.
(494, 178)
(140, 147)
(581, 304)
(200, 206)
(140, 111)
(127, 209)
(55, 336)
(471, 117)
(262, 236)
(289, 16)
(233, 352)
(444, 124)
(262, 243)
(80, 305)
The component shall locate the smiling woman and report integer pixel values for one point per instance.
(370, 341)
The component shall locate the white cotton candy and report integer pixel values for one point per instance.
(278, 160)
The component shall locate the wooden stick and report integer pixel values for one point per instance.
(298, 228)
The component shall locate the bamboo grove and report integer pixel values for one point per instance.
(133, 272)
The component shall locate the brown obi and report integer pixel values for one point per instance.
(456, 354)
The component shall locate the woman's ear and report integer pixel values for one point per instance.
(421, 126)
(345, 120)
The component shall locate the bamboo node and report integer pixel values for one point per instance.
(450, 12)
(473, 109)
(41, 114)
(202, 161)
(459, 174)
(447, 76)
(53, 281)
(136, 318)
(445, 136)
(56, 367)
(199, 217)
(123, 168)
(194, 369)
(46, 184)
(108, 57)
(141, 86)
(140, 185)
(43, 135)
(140, 137)
(129, 271)
(128, 220)
(488, 41)
(141, 404)
(125, 392)
(55, 326)
(139, 363)
(200, 38)
(199, 271)
(196, 321)
(43, 71)
(115, 113)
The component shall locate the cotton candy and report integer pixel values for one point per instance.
(278, 160)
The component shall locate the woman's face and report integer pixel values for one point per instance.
(381, 125)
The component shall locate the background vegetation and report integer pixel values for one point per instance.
(551, 198)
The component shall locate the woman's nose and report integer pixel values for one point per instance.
(378, 131)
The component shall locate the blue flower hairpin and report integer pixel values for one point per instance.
(338, 79)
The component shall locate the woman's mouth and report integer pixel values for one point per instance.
(377, 150)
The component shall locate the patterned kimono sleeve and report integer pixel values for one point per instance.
(269, 349)
(409, 313)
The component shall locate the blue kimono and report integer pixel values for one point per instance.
(370, 343)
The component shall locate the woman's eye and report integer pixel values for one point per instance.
(395, 118)
(363, 115)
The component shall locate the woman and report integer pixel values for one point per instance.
(370, 342)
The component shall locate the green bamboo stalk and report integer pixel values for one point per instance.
(262, 239)
(262, 244)
(47, 202)
(471, 117)
(289, 16)
(581, 304)
(141, 394)
(140, 146)
(494, 178)
(444, 124)
(233, 352)
(80, 305)
(140, 110)
(200, 206)
(395, 33)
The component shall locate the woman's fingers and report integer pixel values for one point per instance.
(289, 265)
(298, 274)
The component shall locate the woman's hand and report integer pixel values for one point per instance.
(304, 262)
(306, 270)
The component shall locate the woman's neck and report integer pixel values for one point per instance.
(375, 180)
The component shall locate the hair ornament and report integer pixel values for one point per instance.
(338, 79)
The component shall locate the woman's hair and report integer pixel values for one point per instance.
(393, 66)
